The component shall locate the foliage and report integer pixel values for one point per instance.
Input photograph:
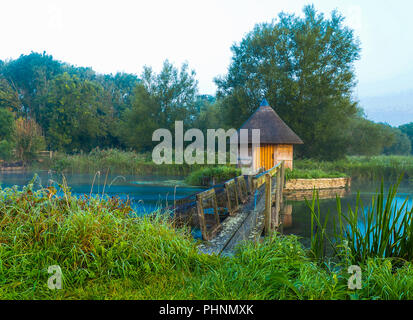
(71, 114)
(376, 168)
(7, 128)
(159, 101)
(408, 130)
(30, 76)
(9, 98)
(304, 66)
(402, 144)
(371, 139)
(311, 174)
(36, 84)
(116, 161)
(212, 175)
(29, 139)
(106, 253)
(381, 230)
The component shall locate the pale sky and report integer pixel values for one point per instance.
(122, 35)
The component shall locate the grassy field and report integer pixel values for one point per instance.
(311, 174)
(365, 168)
(122, 162)
(104, 253)
(210, 176)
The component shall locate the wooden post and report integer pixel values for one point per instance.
(277, 198)
(208, 195)
(230, 186)
(282, 179)
(267, 212)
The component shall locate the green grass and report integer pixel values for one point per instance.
(120, 162)
(382, 230)
(209, 176)
(311, 174)
(104, 253)
(128, 162)
(373, 169)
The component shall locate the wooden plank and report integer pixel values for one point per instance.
(201, 197)
(283, 164)
(268, 204)
(242, 189)
(230, 188)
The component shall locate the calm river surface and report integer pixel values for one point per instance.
(145, 193)
(297, 219)
(149, 193)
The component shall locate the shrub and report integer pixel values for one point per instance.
(212, 175)
(312, 174)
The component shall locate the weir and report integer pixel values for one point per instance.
(237, 210)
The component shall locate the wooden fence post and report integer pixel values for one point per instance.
(208, 195)
(268, 204)
(277, 198)
(282, 179)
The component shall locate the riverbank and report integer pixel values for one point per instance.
(364, 169)
(132, 163)
(105, 254)
(116, 161)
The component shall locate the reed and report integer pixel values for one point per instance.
(365, 169)
(312, 174)
(106, 252)
(381, 230)
(212, 175)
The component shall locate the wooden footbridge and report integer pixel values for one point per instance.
(240, 209)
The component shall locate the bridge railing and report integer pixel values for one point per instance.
(206, 210)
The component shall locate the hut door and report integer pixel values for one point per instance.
(267, 156)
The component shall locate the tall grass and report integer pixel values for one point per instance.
(312, 174)
(382, 230)
(376, 168)
(106, 252)
(121, 162)
(210, 176)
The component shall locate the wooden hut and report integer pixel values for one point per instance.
(277, 140)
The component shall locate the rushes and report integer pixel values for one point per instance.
(105, 253)
(312, 174)
(382, 230)
(212, 175)
(376, 168)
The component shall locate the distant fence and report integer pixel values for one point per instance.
(208, 209)
(45, 155)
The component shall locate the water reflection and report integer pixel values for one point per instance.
(296, 214)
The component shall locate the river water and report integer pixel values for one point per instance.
(297, 217)
(148, 194)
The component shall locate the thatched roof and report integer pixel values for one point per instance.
(272, 129)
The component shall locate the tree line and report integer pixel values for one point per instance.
(304, 66)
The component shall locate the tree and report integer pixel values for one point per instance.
(210, 115)
(402, 144)
(7, 127)
(9, 97)
(408, 130)
(141, 120)
(30, 76)
(72, 114)
(305, 69)
(369, 138)
(158, 101)
(29, 139)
